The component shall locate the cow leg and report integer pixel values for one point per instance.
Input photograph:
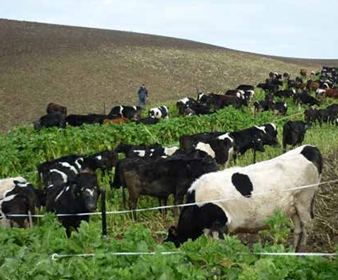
(254, 156)
(297, 230)
(177, 201)
(304, 214)
(133, 205)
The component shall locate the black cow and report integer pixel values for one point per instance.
(128, 112)
(217, 101)
(77, 196)
(306, 99)
(254, 138)
(53, 108)
(162, 177)
(22, 199)
(50, 120)
(293, 133)
(160, 112)
(279, 107)
(78, 120)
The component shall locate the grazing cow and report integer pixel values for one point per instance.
(78, 120)
(268, 87)
(144, 151)
(306, 99)
(254, 138)
(311, 115)
(285, 93)
(160, 112)
(293, 133)
(50, 120)
(185, 103)
(218, 145)
(264, 105)
(162, 177)
(312, 86)
(53, 108)
(247, 196)
(217, 101)
(279, 107)
(20, 199)
(129, 112)
(148, 121)
(77, 196)
(116, 120)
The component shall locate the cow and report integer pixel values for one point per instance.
(305, 99)
(79, 120)
(55, 119)
(311, 115)
(129, 112)
(73, 197)
(53, 108)
(293, 133)
(160, 112)
(331, 92)
(264, 105)
(285, 93)
(254, 138)
(218, 145)
(240, 199)
(217, 101)
(21, 199)
(144, 151)
(185, 103)
(162, 177)
(279, 107)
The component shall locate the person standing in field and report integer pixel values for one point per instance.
(142, 95)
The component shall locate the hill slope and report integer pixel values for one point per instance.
(83, 68)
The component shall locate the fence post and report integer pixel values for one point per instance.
(103, 213)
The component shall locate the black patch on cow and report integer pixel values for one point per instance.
(191, 197)
(242, 183)
(313, 154)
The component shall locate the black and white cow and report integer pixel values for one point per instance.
(20, 199)
(184, 104)
(160, 112)
(145, 151)
(285, 93)
(304, 98)
(77, 196)
(128, 112)
(293, 133)
(218, 145)
(248, 198)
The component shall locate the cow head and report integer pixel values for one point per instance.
(37, 125)
(86, 188)
(223, 147)
(155, 113)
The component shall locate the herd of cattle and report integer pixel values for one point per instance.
(69, 184)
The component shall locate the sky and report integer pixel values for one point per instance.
(291, 28)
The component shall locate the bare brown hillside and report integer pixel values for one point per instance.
(83, 68)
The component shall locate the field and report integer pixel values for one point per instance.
(85, 68)
(22, 149)
(42, 63)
